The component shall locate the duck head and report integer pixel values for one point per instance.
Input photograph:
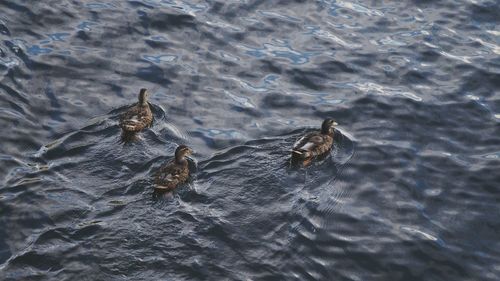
(328, 126)
(143, 97)
(181, 152)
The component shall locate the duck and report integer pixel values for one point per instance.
(314, 144)
(174, 172)
(138, 116)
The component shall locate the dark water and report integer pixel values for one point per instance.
(409, 192)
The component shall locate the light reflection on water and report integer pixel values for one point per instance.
(409, 188)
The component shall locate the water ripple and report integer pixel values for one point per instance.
(408, 192)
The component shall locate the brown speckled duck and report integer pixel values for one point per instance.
(137, 117)
(314, 144)
(175, 172)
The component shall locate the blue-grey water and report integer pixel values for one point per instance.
(410, 191)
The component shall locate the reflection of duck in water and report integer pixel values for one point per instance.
(174, 172)
(314, 144)
(137, 117)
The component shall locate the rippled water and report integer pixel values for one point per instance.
(409, 192)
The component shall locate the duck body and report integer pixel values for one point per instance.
(314, 144)
(173, 173)
(138, 117)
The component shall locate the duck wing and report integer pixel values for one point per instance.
(136, 118)
(171, 175)
(306, 143)
(311, 145)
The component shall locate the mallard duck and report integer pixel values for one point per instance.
(315, 143)
(137, 117)
(175, 172)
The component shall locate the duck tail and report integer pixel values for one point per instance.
(162, 188)
(127, 127)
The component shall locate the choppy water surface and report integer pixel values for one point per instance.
(409, 192)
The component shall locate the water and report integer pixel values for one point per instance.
(409, 192)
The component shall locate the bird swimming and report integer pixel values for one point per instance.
(314, 144)
(174, 172)
(138, 116)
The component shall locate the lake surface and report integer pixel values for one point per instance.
(410, 191)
